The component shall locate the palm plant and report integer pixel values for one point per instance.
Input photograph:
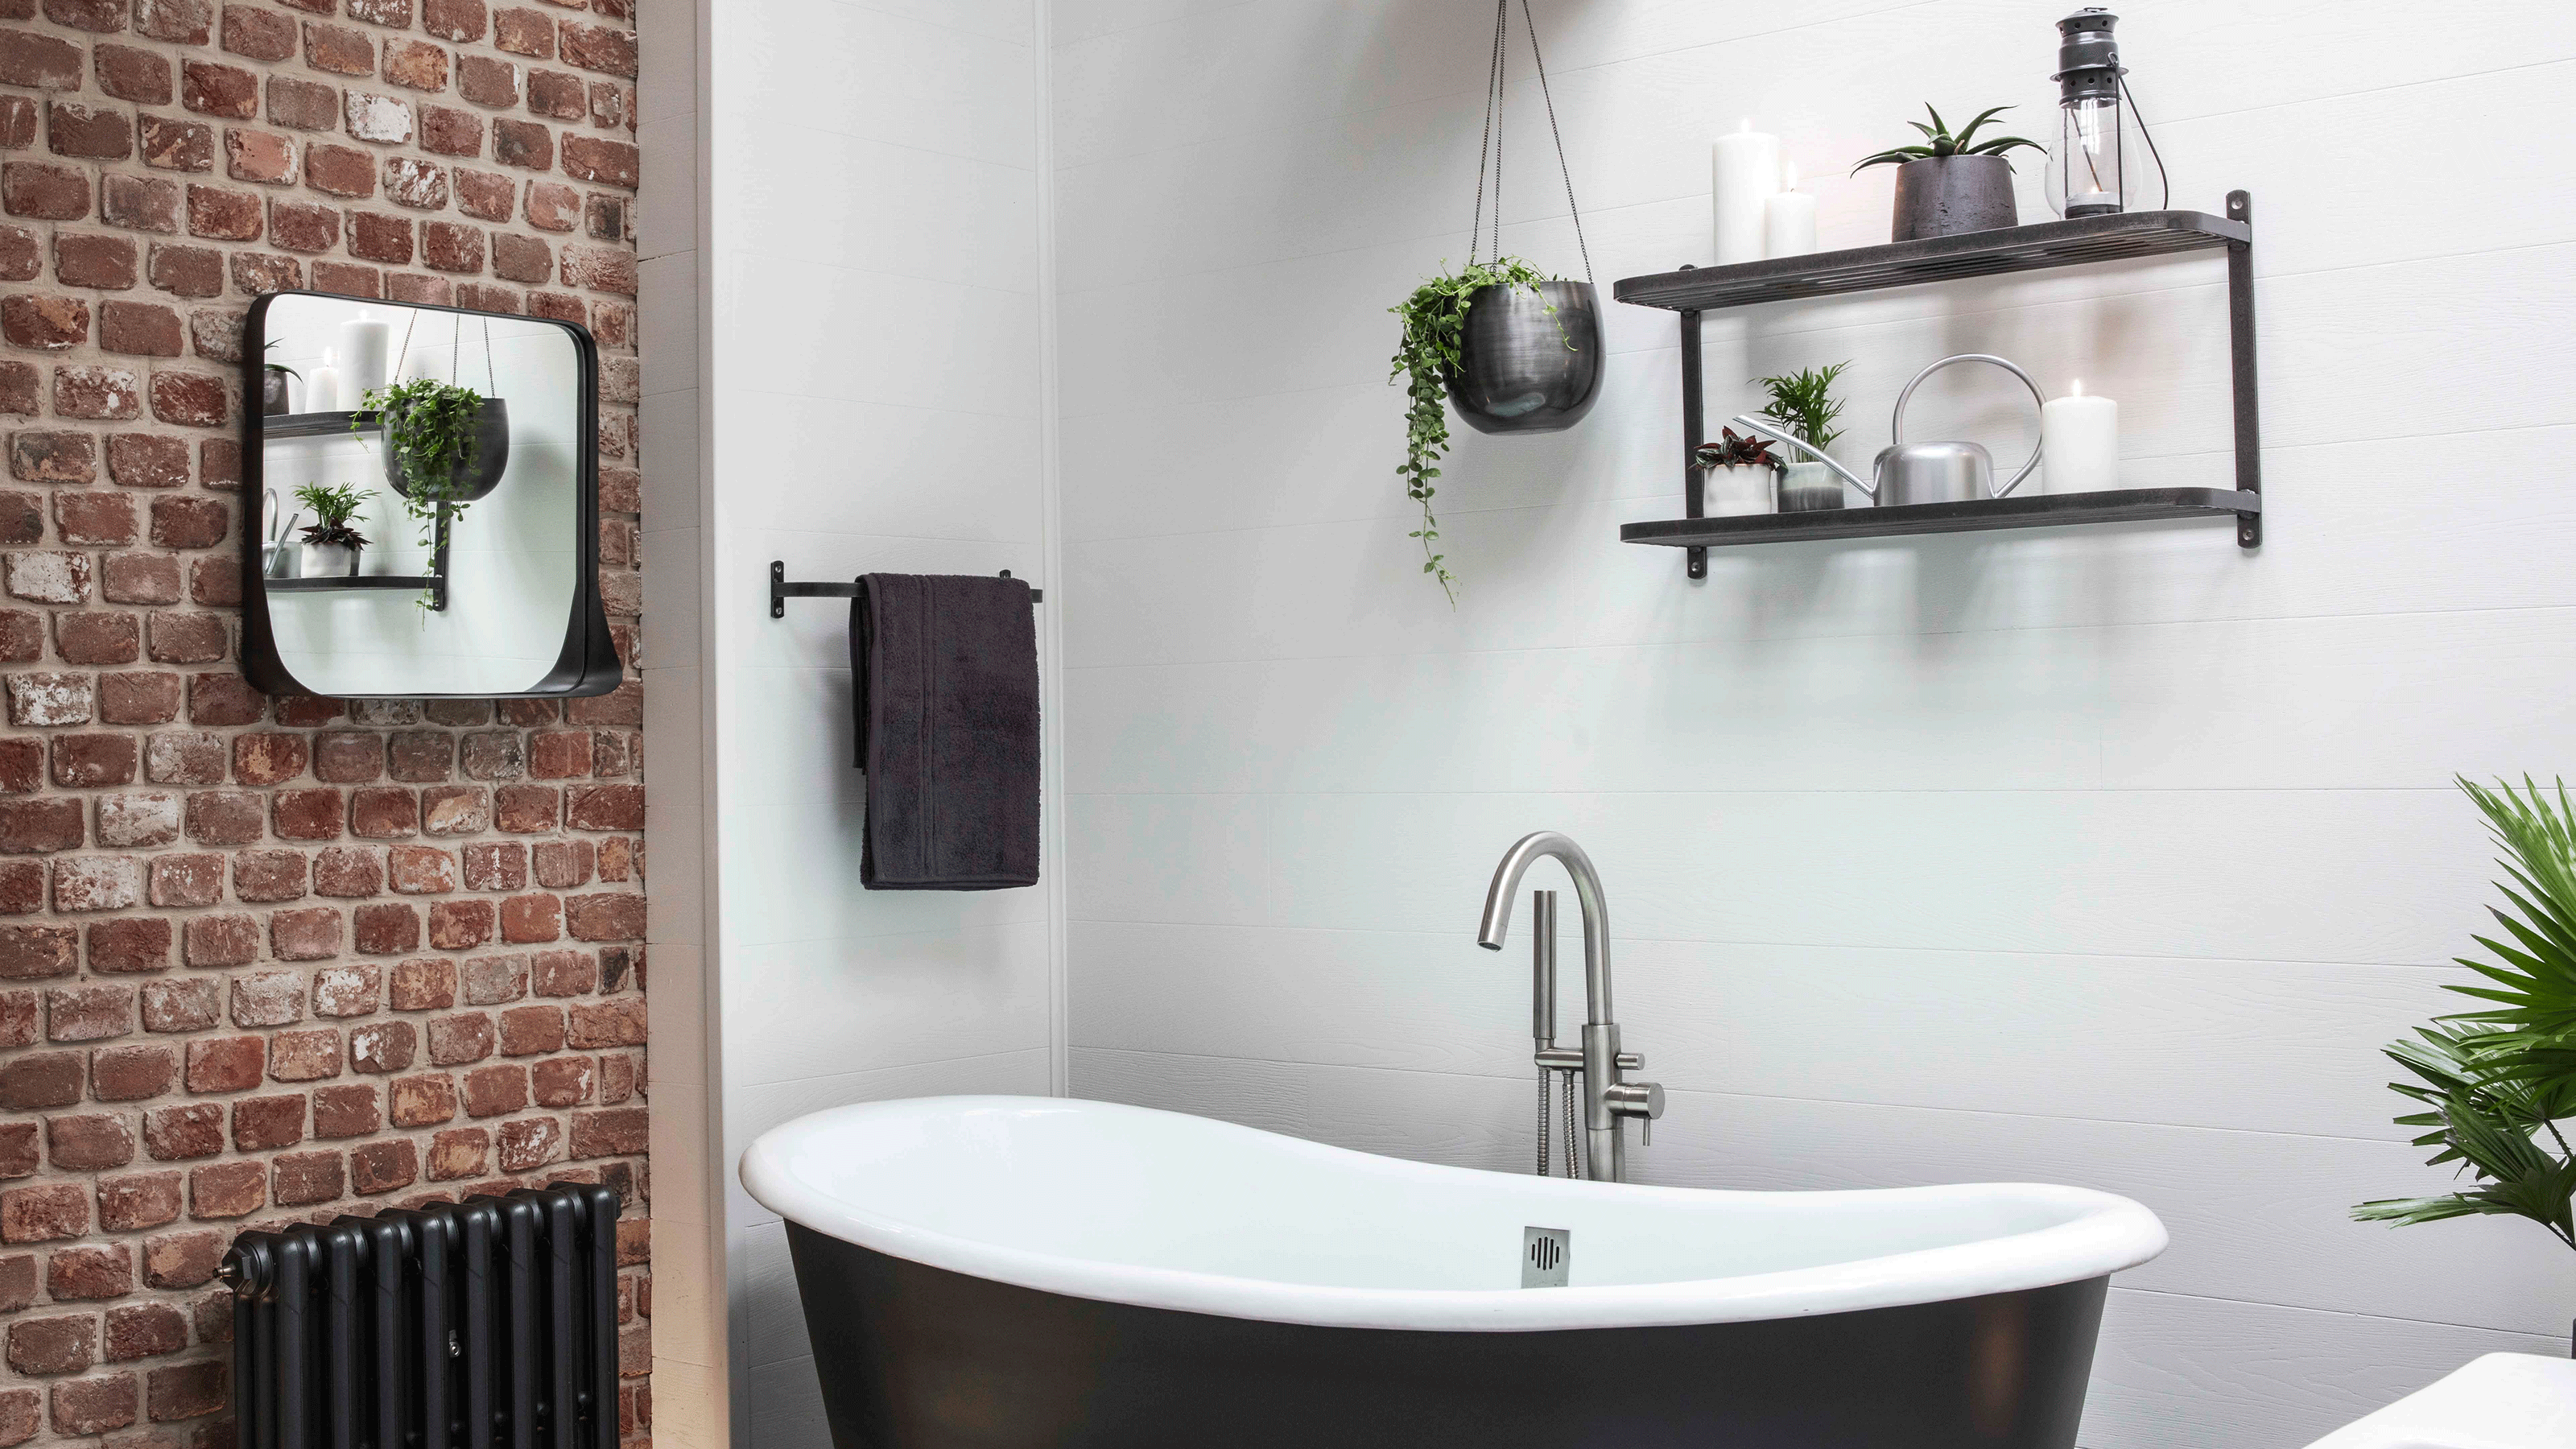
(1937, 142)
(1804, 405)
(2499, 1081)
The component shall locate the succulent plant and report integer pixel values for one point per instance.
(1735, 452)
(1937, 141)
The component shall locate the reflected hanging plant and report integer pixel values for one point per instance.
(429, 430)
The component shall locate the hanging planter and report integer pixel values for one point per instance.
(1512, 349)
(445, 445)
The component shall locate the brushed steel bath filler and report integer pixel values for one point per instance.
(1607, 1097)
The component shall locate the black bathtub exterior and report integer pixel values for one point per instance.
(915, 1357)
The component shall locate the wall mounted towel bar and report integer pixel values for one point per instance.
(780, 590)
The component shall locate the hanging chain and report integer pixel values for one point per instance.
(1485, 149)
(1554, 134)
(491, 374)
(1489, 150)
(406, 349)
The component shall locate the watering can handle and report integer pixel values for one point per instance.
(1896, 425)
(1770, 428)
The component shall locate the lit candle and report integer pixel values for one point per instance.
(1744, 171)
(1788, 218)
(322, 386)
(2079, 439)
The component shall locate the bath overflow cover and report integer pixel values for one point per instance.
(1543, 1256)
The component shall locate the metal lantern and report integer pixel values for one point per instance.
(2089, 171)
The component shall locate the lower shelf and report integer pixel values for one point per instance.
(2046, 510)
(362, 581)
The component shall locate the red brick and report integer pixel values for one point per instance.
(44, 1213)
(221, 940)
(131, 946)
(171, 144)
(386, 120)
(339, 170)
(264, 876)
(496, 1090)
(190, 757)
(416, 64)
(563, 864)
(423, 1101)
(262, 1123)
(348, 873)
(43, 61)
(94, 518)
(353, 990)
(383, 1046)
(22, 520)
(88, 133)
(394, 13)
(259, 272)
(36, 953)
(532, 918)
(132, 1073)
(347, 280)
(383, 1166)
(54, 1345)
(193, 399)
(90, 260)
(52, 457)
(225, 1064)
(139, 203)
(189, 522)
(186, 1391)
(258, 34)
(458, 1152)
(595, 1025)
(338, 49)
(227, 1189)
(222, 699)
(182, 22)
(184, 1259)
(305, 1056)
(449, 247)
(22, 258)
(594, 158)
(218, 90)
(303, 227)
(461, 1037)
(522, 32)
(97, 882)
(84, 761)
(93, 1406)
(224, 215)
(427, 984)
(174, 1133)
(92, 1012)
(423, 756)
(144, 1330)
(557, 94)
(461, 20)
(36, 827)
(89, 1273)
(138, 1201)
(303, 105)
(523, 143)
(413, 287)
(186, 271)
(420, 185)
(386, 929)
(223, 817)
(48, 323)
(20, 385)
(605, 807)
(306, 934)
(530, 1143)
(188, 1003)
(604, 269)
(105, 16)
(44, 191)
(526, 809)
(22, 887)
(384, 813)
(608, 1132)
(17, 122)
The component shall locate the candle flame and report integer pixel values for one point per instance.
(2079, 388)
(1788, 176)
(1744, 126)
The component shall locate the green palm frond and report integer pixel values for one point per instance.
(2500, 1080)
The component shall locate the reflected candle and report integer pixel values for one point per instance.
(363, 343)
(1744, 172)
(2079, 441)
(1788, 219)
(322, 387)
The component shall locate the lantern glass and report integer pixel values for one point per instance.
(2089, 177)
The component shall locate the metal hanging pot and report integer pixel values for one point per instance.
(478, 477)
(1938, 472)
(1523, 368)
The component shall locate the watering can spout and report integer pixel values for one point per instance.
(1770, 428)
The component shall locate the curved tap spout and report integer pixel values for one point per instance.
(1587, 894)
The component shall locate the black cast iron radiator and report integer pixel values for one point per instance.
(489, 1324)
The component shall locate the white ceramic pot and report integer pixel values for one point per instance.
(1809, 488)
(329, 561)
(1736, 491)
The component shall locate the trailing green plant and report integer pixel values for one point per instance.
(1803, 403)
(2499, 1081)
(333, 505)
(1733, 451)
(1937, 141)
(431, 428)
(1427, 354)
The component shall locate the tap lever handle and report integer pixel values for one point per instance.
(1543, 966)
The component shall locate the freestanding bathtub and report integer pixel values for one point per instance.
(1037, 1273)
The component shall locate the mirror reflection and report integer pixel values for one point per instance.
(423, 491)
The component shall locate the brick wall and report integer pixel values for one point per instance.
(282, 959)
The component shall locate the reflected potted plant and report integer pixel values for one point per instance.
(1740, 473)
(1804, 406)
(331, 546)
(272, 386)
(2497, 1083)
(445, 447)
(1949, 184)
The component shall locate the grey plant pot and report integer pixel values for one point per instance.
(1947, 195)
(491, 458)
(1522, 370)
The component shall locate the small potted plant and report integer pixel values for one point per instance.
(1512, 350)
(1740, 474)
(272, 386)
(331, 546)
(2498, 1082)
(1804, 406)
(1949, 184)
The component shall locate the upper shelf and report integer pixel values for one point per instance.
(1941, 258)
(308, 425)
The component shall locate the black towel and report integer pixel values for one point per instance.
(945, 671)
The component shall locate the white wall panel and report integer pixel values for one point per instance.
(2105, 856)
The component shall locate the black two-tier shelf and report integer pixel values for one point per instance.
(277, 427)
(1696, 290)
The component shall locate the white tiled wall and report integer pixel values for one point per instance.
(2104, 856)
(871, 399)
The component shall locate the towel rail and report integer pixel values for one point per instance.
(780, 590)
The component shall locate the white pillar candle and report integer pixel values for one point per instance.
(364, 341)
(1744, 171)
(322, 385)
(2079, 442)
(1788, 219)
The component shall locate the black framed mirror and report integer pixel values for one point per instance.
(422, 488)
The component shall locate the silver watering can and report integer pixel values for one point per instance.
(1944, 472)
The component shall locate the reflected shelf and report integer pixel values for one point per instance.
(412, 583)
(2045, 510)
(277, 427)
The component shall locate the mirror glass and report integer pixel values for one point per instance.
(425, 481)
